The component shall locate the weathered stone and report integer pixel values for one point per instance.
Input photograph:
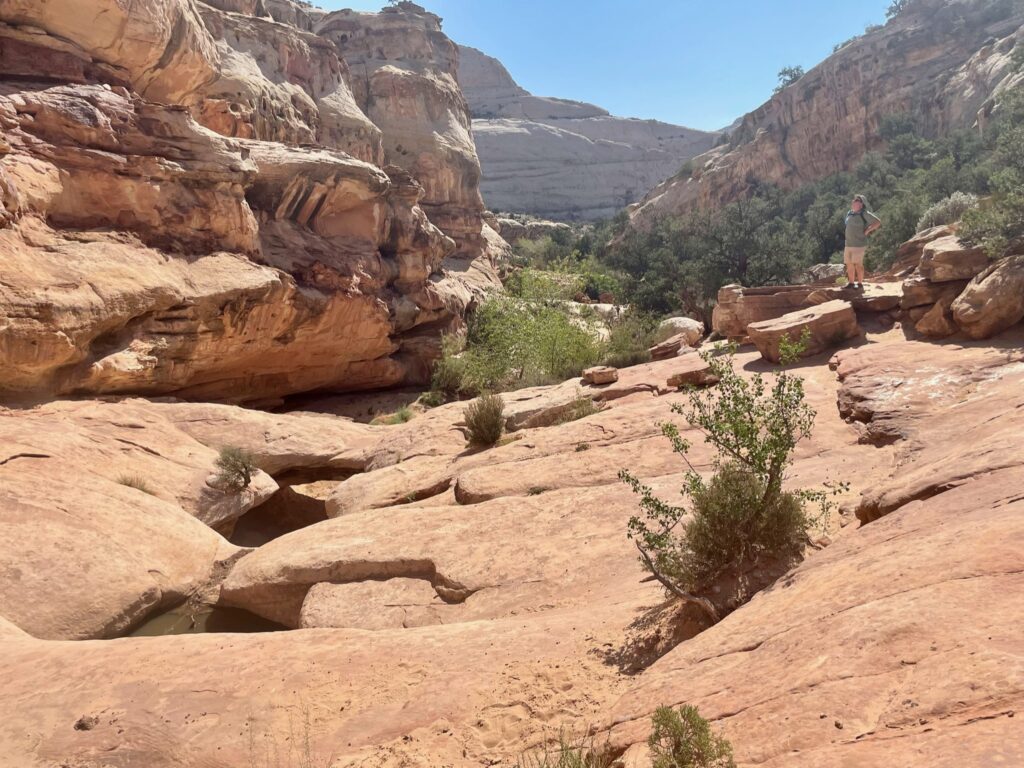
(947, 259)
(829, 325)
(994, 300)
(691, 331)
(937, 322)
(920, 291)
(601, 374)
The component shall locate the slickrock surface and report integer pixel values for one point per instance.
(921, 62)
(496, 605)
(224, 221)
(562, 159)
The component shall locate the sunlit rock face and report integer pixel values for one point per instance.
(940, 61)
(562, 159)
(194, 203)
(404, 77)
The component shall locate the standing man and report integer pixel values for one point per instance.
(860, 223)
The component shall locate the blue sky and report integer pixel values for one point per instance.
(700, 63)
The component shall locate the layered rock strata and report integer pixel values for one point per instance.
(214, 222)
(561, 159)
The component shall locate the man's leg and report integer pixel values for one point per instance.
(858, 266)
(851, 274)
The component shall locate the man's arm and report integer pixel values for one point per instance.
(874, 226)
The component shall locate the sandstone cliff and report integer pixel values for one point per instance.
(941, 60)
(561, 159)
(195, 201)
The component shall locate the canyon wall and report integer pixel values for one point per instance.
(941, 61)
(235, 201)
(561, 159)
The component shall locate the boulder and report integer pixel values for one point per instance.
(948, 259)
(601, 374)
(829, 324)
(725, 319)
(937, 322)
(918, 291)
(994, 300)
(691, 331)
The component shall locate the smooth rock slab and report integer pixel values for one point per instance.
(830, 324)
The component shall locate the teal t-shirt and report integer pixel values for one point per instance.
(855, 226)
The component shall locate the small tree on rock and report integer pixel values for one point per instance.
(741, 518)
(788, 76)
(684, 739)
(236, 468)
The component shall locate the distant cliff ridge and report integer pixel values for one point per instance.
(562, 159)
(942, 61)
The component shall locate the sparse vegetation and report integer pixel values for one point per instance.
(630, 337)
(567, 753)
(948, 210)
(741, 518)
(485, 420)
(137, 482)
(402, 416)
(683, 739)
(236, 469)
(578, 409)
(788, 76)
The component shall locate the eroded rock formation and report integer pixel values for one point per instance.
(941, 60)
(213, 222)
(563, 159)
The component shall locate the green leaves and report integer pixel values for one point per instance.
(740, 515)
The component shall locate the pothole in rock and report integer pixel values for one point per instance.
(301, 501)
(192, 620)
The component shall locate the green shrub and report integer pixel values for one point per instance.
(788, 76)
(630, 337)
(683, 739)
(137, 482)
(450, 379)
(578, 409)
(741, 517)
(949, 210)
(485, 420)
(402, 416)
(236, 468)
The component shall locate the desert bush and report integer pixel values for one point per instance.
(630, 337)
(137, 482)
(949, 210)
(485, 420)
(741, 517)
(788, 76)
(402, 416)
(568, 753)
(236, 468)
(684, 739)
(578, 409)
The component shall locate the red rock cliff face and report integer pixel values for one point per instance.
(941, 61)
(192, 202)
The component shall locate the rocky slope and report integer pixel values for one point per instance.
(195, 200)
(560, 159)
(941, 60)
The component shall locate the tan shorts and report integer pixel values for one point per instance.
(854, 256)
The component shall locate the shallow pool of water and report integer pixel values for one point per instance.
(187, 620)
